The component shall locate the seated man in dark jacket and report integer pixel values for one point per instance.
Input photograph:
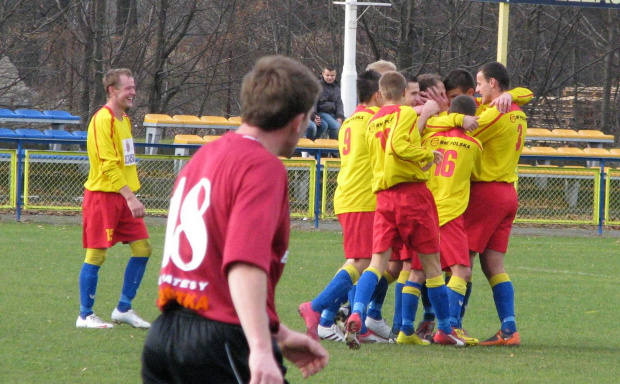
(329, 106)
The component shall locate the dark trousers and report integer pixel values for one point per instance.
(183, 347)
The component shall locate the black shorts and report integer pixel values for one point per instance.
(183, 347)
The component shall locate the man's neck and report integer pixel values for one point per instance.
(116, 110)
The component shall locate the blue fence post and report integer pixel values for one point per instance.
(601, 217)
(317, 189)
(19, 186)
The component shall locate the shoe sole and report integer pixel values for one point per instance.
(350, 338)
(314, 334)
(131, 325)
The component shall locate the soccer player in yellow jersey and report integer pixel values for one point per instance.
(111, 211)
(450, 184)
(406, 214)
(493, 200)
(354, 204)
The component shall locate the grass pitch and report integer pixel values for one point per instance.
(567, 302)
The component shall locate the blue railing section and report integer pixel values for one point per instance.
(319, 153)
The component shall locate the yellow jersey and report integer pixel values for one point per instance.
(394, 144)
(502, 136)
(111, 153)
(354, 190)
(450, 180)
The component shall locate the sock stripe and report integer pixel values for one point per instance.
(499, 278)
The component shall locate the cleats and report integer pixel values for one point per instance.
(452, 338)
(333, 333)
(341, 317)
(460, 332)
(311, 318)
(92, 321)
(425, 330)
(371, 337)
(353, 328)
(413, 339)
(131, 318)
(500, 338)
(380, 328)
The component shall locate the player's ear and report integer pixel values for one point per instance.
(300, 122)
(471, 92)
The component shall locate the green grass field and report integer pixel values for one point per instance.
(567, 292)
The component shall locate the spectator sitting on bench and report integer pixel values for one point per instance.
(329, 106)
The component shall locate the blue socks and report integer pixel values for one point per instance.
(89, 275)
(411, 297)
(378, 297)
(335, 292)
(133, 277)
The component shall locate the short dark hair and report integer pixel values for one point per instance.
(428, 80)
(367, 85)
(496, 70)
(329, 67)
(392, 85)
(463, 104)
(276, 90)
(459, 78)
(409, 77)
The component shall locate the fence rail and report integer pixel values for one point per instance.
(53, 180)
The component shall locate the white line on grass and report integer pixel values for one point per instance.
(543, 270)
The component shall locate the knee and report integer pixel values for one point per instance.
(141, 248)
(95, 256)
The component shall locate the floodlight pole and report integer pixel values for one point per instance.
(502, 33)
(348, 89)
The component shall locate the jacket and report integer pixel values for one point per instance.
(330, 101)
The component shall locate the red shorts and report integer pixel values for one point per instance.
(107, 220)
(453, 244)
(357, 234)
(488, 218)
(406, 215)
(415, 263)
(406, 254)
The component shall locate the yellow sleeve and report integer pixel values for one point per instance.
(405, 140)
(486, 119)
(521, 96)
(444, 122)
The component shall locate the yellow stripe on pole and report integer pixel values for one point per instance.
(502, 33)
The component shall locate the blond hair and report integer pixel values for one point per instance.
(381, 66)
(113, 77)
(392, 85)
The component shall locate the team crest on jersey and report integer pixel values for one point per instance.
(513, 118)
(434, 142)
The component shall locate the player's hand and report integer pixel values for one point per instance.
(317, 120)
(307, 354)
(264, 369)
(431, 108)
(136, 207)
(437, 157)
(502, 102)
(470, 123)
(440, 97)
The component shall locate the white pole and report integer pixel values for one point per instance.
(348, 88)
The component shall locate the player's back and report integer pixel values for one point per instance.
(354, 192)
(395, 147)
(450, 180)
